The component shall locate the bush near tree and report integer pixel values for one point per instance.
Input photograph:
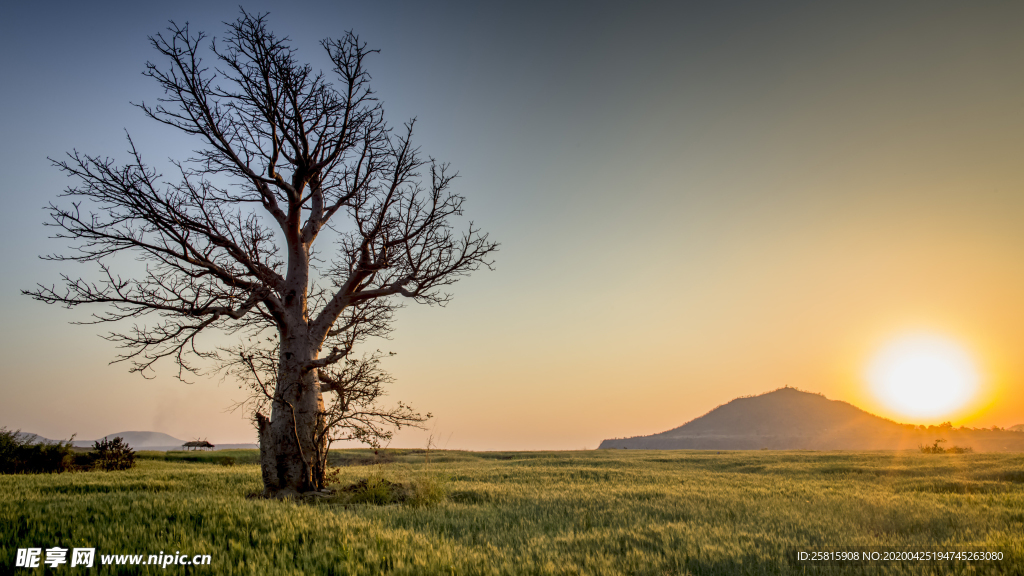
(18, 455)
(113, 454)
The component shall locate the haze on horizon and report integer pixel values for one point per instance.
(695, 203)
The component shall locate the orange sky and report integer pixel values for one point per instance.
(694, 204)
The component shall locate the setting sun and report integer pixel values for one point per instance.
(923, 376)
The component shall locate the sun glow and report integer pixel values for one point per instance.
(923, 376)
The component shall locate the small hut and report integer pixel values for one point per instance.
(197, 445)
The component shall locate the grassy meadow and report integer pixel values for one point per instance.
(592, 512)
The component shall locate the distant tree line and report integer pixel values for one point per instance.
(948, 427)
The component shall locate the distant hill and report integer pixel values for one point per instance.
(137, 440)
(142, 440)
(157, 441)
(1017, 428)
(791, 419)
(31, 438)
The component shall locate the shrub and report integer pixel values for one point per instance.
(425, 490)
(84, 460)
(18, 456)
(113, 454)
(375, 490)
(10, 447)
(431, 488)
(936, 449)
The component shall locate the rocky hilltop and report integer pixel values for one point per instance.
(791, 419)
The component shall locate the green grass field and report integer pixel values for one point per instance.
(593, 512)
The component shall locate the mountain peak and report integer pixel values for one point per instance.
(781, 419)
(785, 410)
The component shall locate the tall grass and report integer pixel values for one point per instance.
(597, 512)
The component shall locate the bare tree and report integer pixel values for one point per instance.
(227, 244)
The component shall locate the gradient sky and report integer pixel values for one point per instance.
(695, 202)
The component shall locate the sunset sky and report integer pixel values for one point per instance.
(694, 202)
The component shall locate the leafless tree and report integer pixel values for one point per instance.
(283, 155)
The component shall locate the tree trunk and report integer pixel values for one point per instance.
(293, 439)
(293, 443)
